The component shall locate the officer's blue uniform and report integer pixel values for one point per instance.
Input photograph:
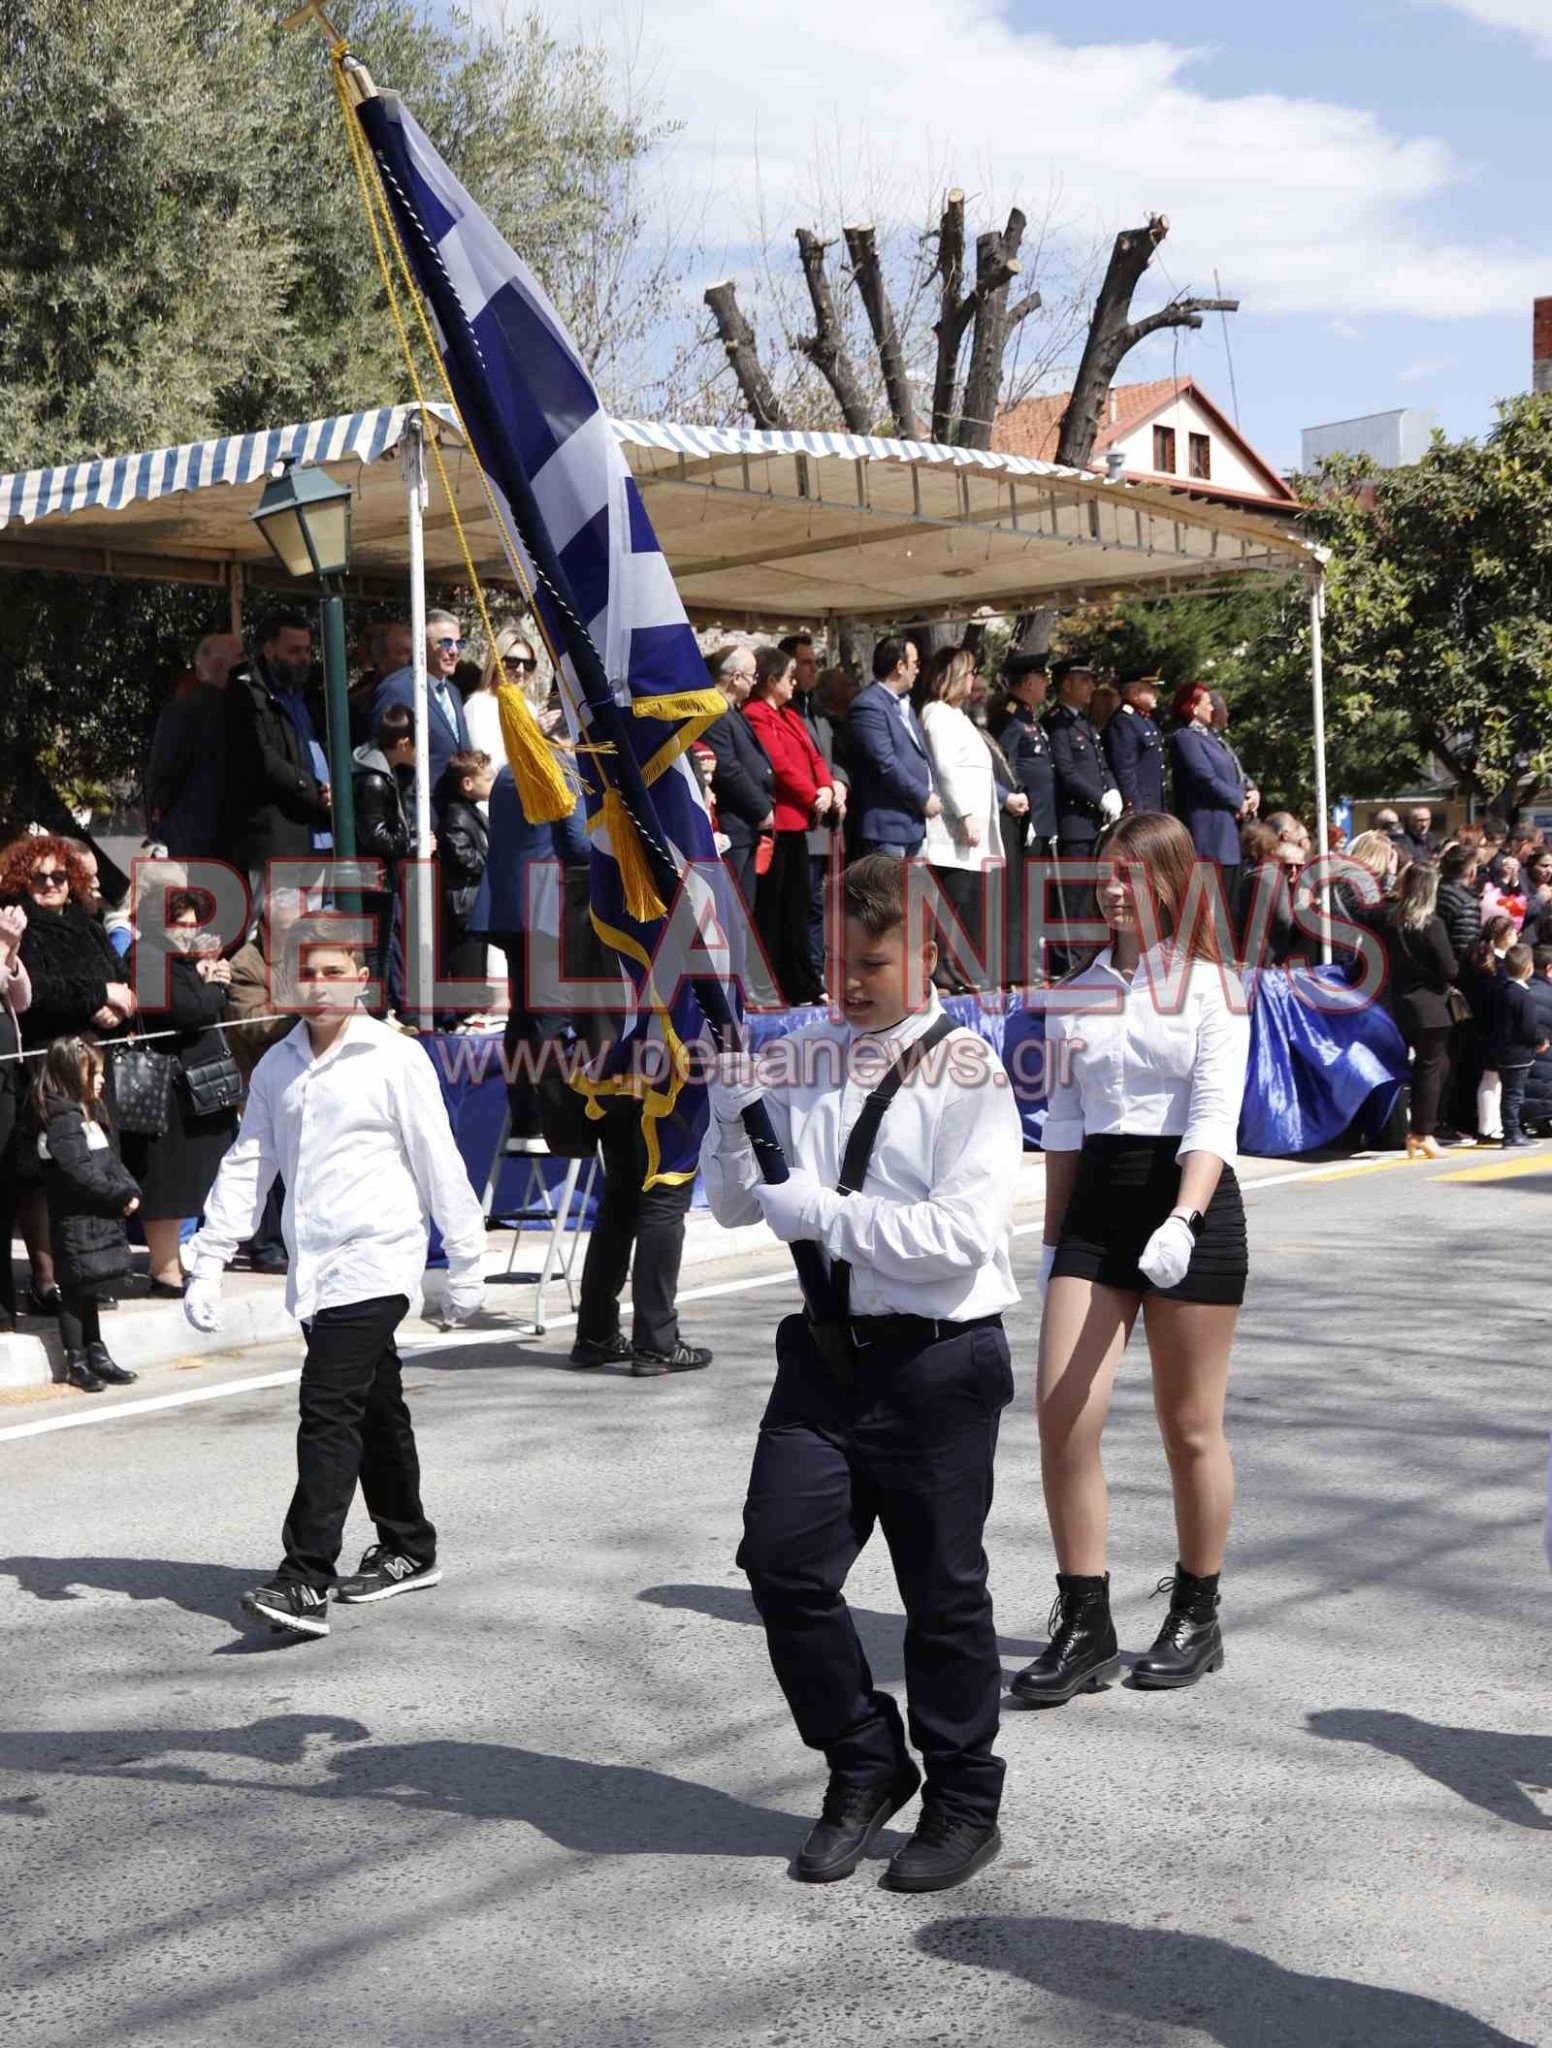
(1082, 778)
(1209, 792)
(1028, 751)
(1135, 751)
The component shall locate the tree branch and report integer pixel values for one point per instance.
(1107, 342)
(1030, 303)
(954, 312)
(868, 276)
(737, 337)
(1178, 313)
(825, 348)
(996, 266)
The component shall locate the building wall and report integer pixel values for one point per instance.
(1229, 469)
(1390, 439)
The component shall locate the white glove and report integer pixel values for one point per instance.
(1167, 1253)
(792, 1208)
(462, 1298)
(734, 1085)
(1047, 1261)
(1111, 805)
(202, 1299)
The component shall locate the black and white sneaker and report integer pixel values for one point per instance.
(649, 1365)
(382, 1573)
(596, 1351)
(285, 1604)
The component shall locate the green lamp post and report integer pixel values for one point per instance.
(304, 515)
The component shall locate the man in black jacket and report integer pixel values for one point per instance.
(1134, 748)
(277, 790)
(1024, 742)
(385, 833)
(743, 781)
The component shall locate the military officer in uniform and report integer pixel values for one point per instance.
(1086, 795)
(1134, 747)
(1024, 741)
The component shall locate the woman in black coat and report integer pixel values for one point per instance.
(78, 989)
(1423, 972)
(743, 781)
(1460, 902)
(177, 1167)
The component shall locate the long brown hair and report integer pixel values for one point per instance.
(1163, 849)
(69, 1073)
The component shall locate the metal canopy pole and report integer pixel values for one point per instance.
(420, 965)
(1317, 603)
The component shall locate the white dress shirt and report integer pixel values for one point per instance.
(927, 1232)
(1162, 1055)
(362, 1139)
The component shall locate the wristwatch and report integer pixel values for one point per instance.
(1191, 1218)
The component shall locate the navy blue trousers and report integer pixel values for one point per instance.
(909, 1447)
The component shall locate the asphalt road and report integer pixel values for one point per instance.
(551, 1802)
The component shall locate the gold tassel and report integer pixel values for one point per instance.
(642, 902)
(683, 704)
(542, 788)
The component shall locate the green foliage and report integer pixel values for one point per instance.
(183, 253)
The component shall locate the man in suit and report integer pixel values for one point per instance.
(1422, 842)
(1134, 748)
(892, 796)
(446, 725)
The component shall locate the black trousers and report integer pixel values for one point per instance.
(781, 902)
(10, 1161)
(648, 1220)
(78, 1319)
(355, 1426)
(1430, 1078)
(908, 1447)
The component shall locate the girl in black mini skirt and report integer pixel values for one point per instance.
(1143, 1215)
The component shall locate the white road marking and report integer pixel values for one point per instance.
(413, 1346)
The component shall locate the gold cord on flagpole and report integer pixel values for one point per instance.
(543, 788)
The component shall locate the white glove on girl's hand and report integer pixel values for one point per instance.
(1167, 1253)
(792, 1206)
(202, 1300)
(1111, 805)
(734, 1085)
(1047, 1261)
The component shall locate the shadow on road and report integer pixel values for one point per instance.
(597, 1809)
(882, 1635)
(212, 1589)
(1224, 1993)
(1490, 1770)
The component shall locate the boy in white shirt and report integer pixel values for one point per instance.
(349, 1113)
(890, 1415)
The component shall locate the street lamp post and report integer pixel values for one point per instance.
(304, 515)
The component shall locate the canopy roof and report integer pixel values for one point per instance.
(760, 529)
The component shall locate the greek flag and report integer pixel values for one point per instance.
(632, 676)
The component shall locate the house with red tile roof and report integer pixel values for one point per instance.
(1167, 432)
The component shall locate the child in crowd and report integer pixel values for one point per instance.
(89, 1193)
(463, 846)
(1481, 973)
(1515, 1038)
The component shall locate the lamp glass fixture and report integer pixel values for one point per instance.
(305, 516)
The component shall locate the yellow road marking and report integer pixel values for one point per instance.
(1501, 1169)
(1352, 1172)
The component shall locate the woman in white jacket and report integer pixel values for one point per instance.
(966, 839)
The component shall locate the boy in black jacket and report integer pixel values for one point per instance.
(1516, 1038)
(90, 1192)
(463, 846)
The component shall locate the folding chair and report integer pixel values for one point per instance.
(542, 1204)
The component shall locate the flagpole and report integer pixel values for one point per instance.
(421, 939)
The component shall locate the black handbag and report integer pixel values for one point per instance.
(142, 1081)
(213, 1085)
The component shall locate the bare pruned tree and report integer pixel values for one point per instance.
(1113, 334)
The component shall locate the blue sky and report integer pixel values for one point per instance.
(1371, 179)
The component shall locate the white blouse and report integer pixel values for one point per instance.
(1163, 1055)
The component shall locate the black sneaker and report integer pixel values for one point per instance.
(382, 1573)
(285, 1604)
(852, 1816)
(943, 1852)
(591, 1351)
(647, 1365)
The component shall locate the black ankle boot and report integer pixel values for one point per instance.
(1190, 1642)
(79, 1374)
(104, 1367)
(1081, 1655)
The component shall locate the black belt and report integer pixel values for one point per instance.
(906, 1330)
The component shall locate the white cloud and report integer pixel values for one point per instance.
(1531, 18)
(1303, 205)
(1425, 369)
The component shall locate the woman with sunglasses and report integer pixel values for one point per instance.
(1143, 1217)
(511, 660)
(78, 990)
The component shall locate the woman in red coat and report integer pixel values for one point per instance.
(804, 795)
